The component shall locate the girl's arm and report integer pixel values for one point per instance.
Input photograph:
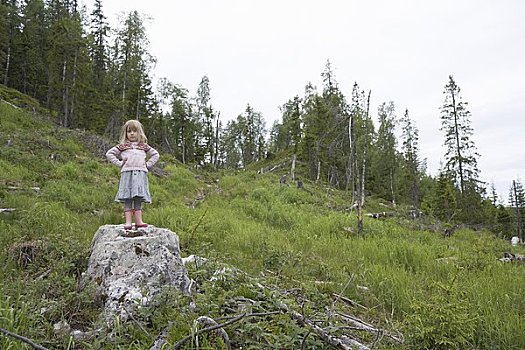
(112, 155)
(153, 157)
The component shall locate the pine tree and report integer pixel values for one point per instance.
(493, 194)
(98, 50)
(311, 147)
(279, 139)
(131, 67)
(517, 202)
(252, 129)
(461, 155)
(66, 53)
(230, 144)
(10, 24)
(35, 43)
(410, 136)
(445, 205)
(290, 132)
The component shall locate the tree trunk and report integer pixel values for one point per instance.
(392, 186)
(216, 155)
(519, 224)
(292, 170)
(8, 61)
(65, 96)
(138, 102)
(123, 107)
(458, 145)
(73, 85)
(361, 200)
(349, 171)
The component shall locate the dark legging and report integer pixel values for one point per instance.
(135, 204)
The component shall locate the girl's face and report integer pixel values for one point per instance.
(132, 135)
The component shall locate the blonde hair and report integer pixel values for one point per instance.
(134, 125)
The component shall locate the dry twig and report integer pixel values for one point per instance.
(343, 343)
(24, 339)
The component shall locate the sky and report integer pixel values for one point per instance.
(264, 52)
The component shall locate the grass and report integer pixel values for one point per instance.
(443, 293)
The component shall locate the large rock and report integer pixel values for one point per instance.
(131, 267)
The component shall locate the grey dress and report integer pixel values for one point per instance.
(133, 185)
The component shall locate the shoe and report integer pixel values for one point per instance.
(128, 227)
(141, 225)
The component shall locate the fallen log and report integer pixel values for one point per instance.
(379, 215)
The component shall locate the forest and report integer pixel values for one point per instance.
(326, 216)
(90, 76)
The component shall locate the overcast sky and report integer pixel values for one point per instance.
(264, 52)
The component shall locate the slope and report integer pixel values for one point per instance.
(275, 245)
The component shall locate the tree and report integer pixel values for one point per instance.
(290, 133)
(230, 144)
(65, 54)
(311, 150)
(445, 205)
(9, 29)
(278, 138)
(386, 162)
(131, 66)
(362, 180)
(34, 44)
(461, 155)
(206, 121)
(517, 202)
(410, 137)
(251, 136)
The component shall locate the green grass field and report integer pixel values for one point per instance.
(284, 245)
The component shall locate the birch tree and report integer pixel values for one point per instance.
(386, 160)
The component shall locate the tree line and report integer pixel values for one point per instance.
(91, 76)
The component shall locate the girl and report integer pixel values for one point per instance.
(130, 155)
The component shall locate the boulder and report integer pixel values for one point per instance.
(129, 268)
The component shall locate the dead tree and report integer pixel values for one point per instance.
(361, 199)
(292, 170)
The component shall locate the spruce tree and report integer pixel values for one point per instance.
(35, 43)
(98, 50)
(517, 202)
(461, 154)
(131, 66)
(10, 24)
(460, 151)
(410, 139)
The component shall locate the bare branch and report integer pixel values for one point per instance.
(349, 301)
(24, 339)
(342, 343)
(183, 341)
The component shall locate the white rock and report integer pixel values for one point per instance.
(129, 270)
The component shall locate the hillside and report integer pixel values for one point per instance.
(281, 249)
